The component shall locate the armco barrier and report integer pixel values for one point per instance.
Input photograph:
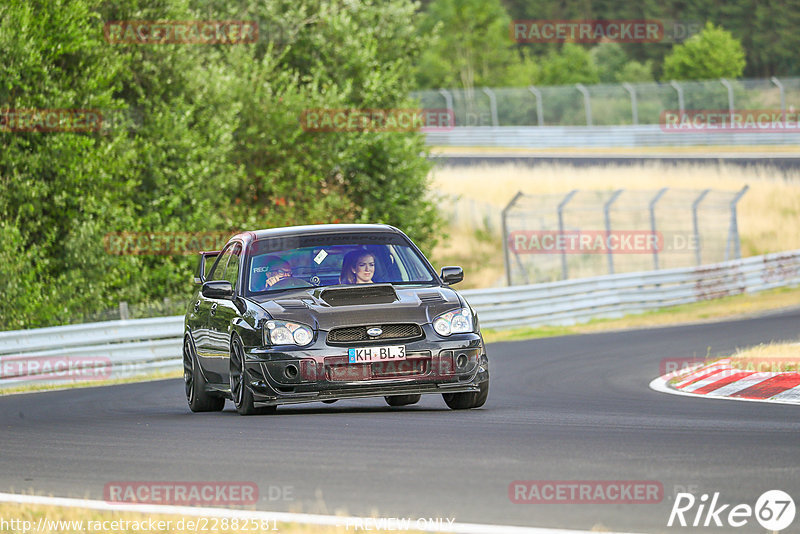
(145, 345)
(541, 137)
(582, 299)
(131, 347)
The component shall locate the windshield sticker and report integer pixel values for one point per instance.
(319, 258)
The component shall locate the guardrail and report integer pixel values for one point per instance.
(73, 353)
(609, 296)
(540, 137)
(132, 347)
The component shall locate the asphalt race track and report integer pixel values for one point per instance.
(567, 408)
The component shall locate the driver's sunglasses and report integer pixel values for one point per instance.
(284, 272)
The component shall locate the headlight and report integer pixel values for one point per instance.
(454, 322)
(285, 333)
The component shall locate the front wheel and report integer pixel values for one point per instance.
(240, 393)
(194, 383)
(466, 401)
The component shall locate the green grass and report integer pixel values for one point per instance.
(28, 388)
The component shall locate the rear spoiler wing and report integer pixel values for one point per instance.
(202, 266)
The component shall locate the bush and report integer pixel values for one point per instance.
(711, 54)
(209, 139)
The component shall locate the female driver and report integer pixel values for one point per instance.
(358, 267)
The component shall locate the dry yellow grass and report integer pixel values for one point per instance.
(768, 215)
(478, 253)
(769, 357)
(172, 524)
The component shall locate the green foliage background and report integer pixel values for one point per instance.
(204, 137)
(472, 44)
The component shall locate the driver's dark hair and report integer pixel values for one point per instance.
(349, 262)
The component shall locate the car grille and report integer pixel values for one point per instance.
(338, 370)
(391, 332)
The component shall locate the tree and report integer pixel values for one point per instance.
(609, 58)
(573, 64)
(711, 54)
(633, 71)
(472, 47)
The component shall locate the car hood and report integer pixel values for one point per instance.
(375, 304)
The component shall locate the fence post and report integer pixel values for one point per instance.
(733, 231)
(560, 211)
(779, 85)
(505, 235)
(729, 87)
(492, 105)
(539, 108)
(124, 313)
(634, 108)
(679, 90)
(448, 101)
(587, 102)
(653, 223)
(696, 226)
(607, 216)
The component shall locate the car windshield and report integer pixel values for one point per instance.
(280, 263)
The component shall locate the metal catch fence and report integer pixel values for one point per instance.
(608, 104)
(591, 233)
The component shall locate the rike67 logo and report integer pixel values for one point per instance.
(774, 510)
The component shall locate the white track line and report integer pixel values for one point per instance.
(306, 519)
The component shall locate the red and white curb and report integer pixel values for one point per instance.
(721, 380)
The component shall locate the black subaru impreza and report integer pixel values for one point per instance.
(329, 312)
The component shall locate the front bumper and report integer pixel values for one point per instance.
(320, 372)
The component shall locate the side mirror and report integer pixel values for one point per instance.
(206, 261)
(217, 289)
(452, 275)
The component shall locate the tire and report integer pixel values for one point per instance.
(240, 393)
(402, 400)
(466, 401)
(194, 383)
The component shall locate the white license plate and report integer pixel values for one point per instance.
(376, 354)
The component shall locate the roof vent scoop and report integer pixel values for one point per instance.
(359, 294)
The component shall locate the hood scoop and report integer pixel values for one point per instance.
(359, 294)
(431, 298)
(292, 304)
